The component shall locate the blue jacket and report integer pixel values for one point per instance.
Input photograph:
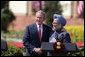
(31, 38)
(66, 39)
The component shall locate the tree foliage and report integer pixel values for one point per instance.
(52, 7)
(6, 15)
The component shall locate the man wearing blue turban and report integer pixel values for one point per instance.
(60, 19)
(58, 23)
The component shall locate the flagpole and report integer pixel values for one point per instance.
(40, 5)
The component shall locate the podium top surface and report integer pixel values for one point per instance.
(70, 47)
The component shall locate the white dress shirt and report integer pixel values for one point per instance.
(41, 29)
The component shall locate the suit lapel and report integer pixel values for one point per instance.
(36, 31)
(43, 34)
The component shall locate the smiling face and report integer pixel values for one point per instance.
(56, 24)
(39, 18)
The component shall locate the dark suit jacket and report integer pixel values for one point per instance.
(66, 39)
(31, 38)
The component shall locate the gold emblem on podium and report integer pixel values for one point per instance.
(58, 46)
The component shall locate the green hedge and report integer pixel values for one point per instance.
(12, 51)
(12, 32)
(76, 33)
(79, 53)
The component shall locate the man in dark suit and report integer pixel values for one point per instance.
(35, 34)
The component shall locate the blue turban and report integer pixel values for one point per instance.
(61, 20)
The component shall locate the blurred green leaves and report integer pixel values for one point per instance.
(6, 16)
(52, 7)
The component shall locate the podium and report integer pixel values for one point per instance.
(68, 47)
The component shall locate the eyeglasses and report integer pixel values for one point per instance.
(55, 23)
(40, 17)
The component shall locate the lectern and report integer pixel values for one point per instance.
(49, 47)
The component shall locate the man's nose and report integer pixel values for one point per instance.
(38, 18)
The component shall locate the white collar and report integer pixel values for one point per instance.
(38, 25)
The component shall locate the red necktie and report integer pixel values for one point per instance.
(40, 32)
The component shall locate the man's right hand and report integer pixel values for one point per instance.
(38, 50)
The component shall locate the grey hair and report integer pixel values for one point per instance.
(41, 12)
